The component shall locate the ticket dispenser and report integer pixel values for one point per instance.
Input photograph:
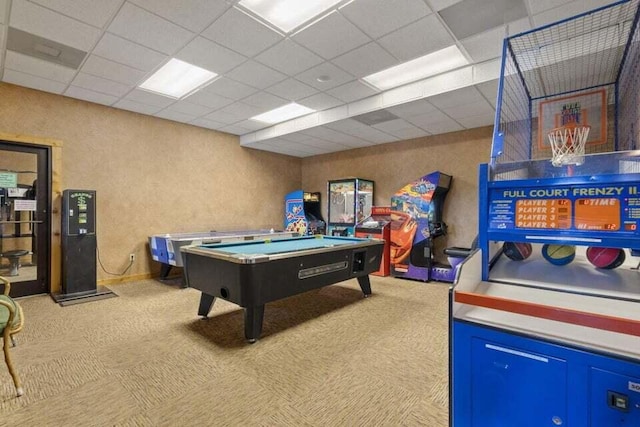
(79, 248)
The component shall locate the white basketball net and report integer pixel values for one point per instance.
(567, 144)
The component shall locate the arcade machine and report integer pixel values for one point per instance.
(350, 202)
(545, 316)
(416, 212)
(302, 213)
(79, 249)
(378, 226)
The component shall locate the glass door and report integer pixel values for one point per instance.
(25, 206)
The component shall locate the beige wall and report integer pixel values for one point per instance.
(152, 175)
(394, 165)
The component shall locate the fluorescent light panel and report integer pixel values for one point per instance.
(417, 69)
(288, 14)
(280, 114)
(177, 78)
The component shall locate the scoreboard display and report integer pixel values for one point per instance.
(582, 208)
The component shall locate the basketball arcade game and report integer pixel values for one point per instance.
(536, 342)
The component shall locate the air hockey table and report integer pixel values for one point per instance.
(165, 248)
(254, 273)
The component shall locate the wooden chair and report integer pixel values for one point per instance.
(11, 321)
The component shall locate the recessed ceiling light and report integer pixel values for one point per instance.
(417, 69)
(288, 14)
(177, 78)
(323, 78)
(280, 114)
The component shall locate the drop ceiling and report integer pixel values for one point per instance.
(321, 66)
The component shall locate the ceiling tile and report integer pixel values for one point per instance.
(409, 133)
(252, 125)
(393, 125)
(410, 109)
(238, 31)
(538, 6)
(291, 89)
(137, 107)
(289, 58)
(348, 126)
(471, 17)
(38, 67)
(229, 88)
(235, 129)
(379, 17)
(295, 137)
(89, 95)
(365, 60)
(101, 67)
(457, 97)
(326, 133)
(241, 110)
(34, 82)
(445, 126)
(256, 75)
(45, 23)
(144, 97)
(189, 108)
(554, 15)
(194, 15)
(331, 36)
(128, 53)
(223, 117)
(519, 26)
(413, 40)
(265, 101)
(205, 123)
(490, 91)
(176, 116)
(425, 120)
(351, 91)
(470, 109)
(438, 5)
(208, 99)
(210, 56)
(98, 84)
(92, 12)
(320, 101)
(471, 122)
(326, 69)
(147, 29)
(3, 8)
(485, 46)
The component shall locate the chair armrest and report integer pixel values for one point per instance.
(7, 285)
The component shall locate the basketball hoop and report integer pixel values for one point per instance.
(567, 143)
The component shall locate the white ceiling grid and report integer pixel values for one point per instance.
(319, 66)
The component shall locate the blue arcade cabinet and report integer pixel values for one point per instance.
(302, 213)
(539, 340)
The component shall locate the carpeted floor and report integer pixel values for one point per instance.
(328, 357)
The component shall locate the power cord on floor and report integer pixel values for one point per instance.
(107, 271)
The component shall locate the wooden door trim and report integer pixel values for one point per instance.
(56, 200)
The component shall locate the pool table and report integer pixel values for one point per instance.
(254, 273)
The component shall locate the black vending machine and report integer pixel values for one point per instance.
(79, 249)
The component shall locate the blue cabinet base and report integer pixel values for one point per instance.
(500, 378)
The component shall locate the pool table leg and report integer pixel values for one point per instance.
(365, 285)
(253, 322)
(206, 302)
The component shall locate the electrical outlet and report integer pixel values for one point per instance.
(132, 257)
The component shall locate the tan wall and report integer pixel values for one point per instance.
(152, 175)
(394, 165)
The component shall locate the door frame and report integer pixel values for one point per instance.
(55, 145)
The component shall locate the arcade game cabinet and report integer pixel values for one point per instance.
(378, 226)
(416, 212)
(545, 316)
(350, 202)
(302, 213)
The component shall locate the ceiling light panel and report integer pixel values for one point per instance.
(177, 78)
(432, 64)
(288, 15)
(281, 114)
